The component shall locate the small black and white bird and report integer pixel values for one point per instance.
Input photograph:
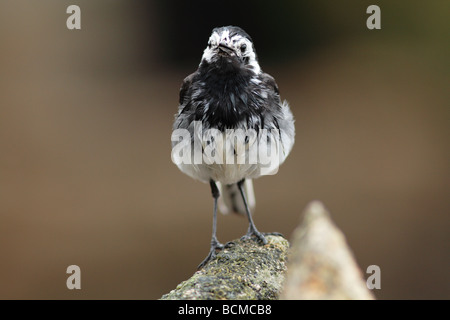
(230, 93)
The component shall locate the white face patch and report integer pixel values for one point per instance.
(242, 47)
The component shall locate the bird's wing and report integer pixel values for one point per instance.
(185, 86)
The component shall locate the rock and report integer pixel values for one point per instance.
(243, 270)
(321, 265)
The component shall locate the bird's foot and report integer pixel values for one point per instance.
(253, 232)
(215, 245)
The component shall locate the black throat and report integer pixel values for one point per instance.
(226, 86)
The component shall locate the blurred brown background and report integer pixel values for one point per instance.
(85, 122)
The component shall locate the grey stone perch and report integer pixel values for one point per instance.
(321, 266)
(244, 270)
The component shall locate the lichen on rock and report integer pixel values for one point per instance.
(243, 270)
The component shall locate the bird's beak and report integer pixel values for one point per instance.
(223, 48)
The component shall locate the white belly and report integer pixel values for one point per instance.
(231, 156)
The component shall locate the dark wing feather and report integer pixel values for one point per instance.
(185, 86)
(270, 82)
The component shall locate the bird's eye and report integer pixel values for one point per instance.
(243, 47)
(210, 44)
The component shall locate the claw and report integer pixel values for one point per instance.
(260, 237)
(212, 254)
(278, 234)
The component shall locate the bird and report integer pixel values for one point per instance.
(230, 112)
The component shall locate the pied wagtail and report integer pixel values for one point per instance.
(229, 91)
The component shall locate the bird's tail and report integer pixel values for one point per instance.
(230, 198)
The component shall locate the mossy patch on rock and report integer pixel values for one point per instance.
(243, 270)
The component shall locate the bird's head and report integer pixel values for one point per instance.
(232, 44)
